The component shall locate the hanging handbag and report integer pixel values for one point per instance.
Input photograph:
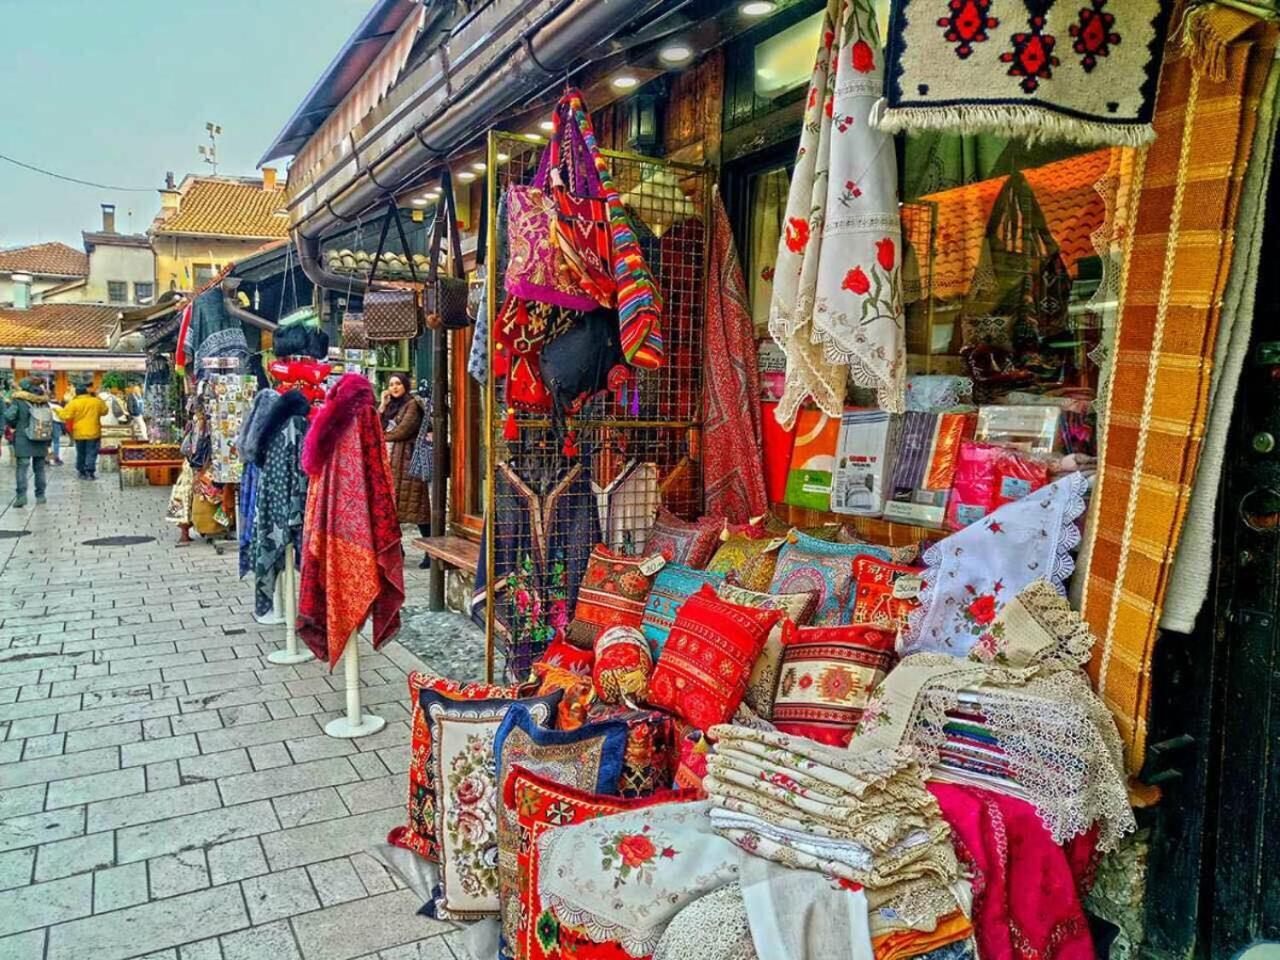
(392, 312)
(446, 297)
(537, 268)
(580, 364)
(354, 335)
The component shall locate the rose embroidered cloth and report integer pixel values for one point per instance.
(837, 308)
(731, 444)
(352, 560)
(974, 572)
(623, 877)
(1027, 890)
(1058, 745)
(1039, 69)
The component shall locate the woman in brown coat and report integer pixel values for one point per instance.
(402, 415)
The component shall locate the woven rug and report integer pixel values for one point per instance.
(1178, 258)
(1193, 563)
(1083, 71)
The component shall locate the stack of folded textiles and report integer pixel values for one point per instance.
(864, 820)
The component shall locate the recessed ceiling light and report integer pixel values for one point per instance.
(757, 8)
(504, 157)
(421, 201)
(625, 81)
(546, 125)
(675, 53)
(479, 166)
(466, 176)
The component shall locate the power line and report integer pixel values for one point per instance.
(86, 183)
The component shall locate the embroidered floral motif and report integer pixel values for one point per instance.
(1092, 33)
(797, 234)
(1032, 56)
(469, 822)
(632, 853)
(967, 24)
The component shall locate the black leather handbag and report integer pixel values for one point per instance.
(447, 296)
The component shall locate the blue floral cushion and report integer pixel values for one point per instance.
(674, 585)
(806, 563)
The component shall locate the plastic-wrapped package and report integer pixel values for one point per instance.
(1017, 476)
(864, 460)
(813, 460)
(1029, 428)
(974, 489)
(926, 465)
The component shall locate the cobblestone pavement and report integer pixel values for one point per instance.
(165, 792)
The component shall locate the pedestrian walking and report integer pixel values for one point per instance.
(84, 416)
(28, 413)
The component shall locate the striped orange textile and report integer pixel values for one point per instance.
(1177, 260)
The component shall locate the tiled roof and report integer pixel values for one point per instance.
(228, 208)
(83, 326)
(46, 260)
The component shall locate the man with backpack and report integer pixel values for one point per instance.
(29, 414)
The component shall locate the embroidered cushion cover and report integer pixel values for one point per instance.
(702, 673)
(649, 761)
(805, 563)
(541, 804)
(466, 798)
(906, 553)
(589, 758)
(419, 834)
(683, 542)
(674, 584)
(828, 674)
(748, 560)
(564, 655)
(576, 694)
(763, 682)
(612, 593)
(875, 599)
(623, 664)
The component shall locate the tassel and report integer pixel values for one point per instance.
(635, 399)
(1208, 34)
(510, 429)
(570, 448)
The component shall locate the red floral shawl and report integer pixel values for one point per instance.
(731, 387)
(1027, 890)
(352, 560)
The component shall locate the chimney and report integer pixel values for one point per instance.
(168, 181)
(22, 291)
(170, 198)
(108, 218)
(268, 178)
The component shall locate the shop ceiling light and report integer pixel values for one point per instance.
(504, 157)
(546, 125)
(675, 53)
(757, 8)
(480, 167)
(625, 81)
(466, 176)
(422, 201)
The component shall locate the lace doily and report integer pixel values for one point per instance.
(713, 928)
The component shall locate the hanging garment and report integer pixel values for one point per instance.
(627, 506)
(731, 446)
(281, 494)
(214, 334)
(352, 560)
(837, 298)
(248, 506)
(1039, 70)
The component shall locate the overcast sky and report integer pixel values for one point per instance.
(118, 92)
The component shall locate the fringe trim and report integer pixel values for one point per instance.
(1207, 35)
(1029, 122)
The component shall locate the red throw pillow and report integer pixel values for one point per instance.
(540, 804)
(683, 542)
(877, 598)
(613, 593)
(828, 674)
(419, 834)
(702, 673)
(622, 665)
(564, 655)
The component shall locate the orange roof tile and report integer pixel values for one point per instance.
(46, 260)
(224, 207)
(1066, 192)
(82, 326)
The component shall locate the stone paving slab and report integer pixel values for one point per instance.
(165, 791)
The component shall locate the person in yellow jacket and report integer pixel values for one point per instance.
(85, 414)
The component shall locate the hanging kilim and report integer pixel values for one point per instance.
(1177, 261)
(1080, 70)
(837, 296)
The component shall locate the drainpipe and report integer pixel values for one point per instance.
(541, 56)
(308, 247)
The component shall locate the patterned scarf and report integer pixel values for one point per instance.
(731, 413)
(352, 561)
(837, 308)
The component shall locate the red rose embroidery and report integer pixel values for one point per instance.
(829, 107)
(856, 281)
(864, 61)
(797, 234)
(828, 38)
(885, 253)
(636, 850)
(813, 97)
(983, 610)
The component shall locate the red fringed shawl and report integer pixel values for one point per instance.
(731, 387)
(352, 560)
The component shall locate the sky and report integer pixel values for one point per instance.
(119, 91)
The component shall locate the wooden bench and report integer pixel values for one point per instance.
(140, 455)
(456, 552)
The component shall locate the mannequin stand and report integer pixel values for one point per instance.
(356, 723)
(290, 653)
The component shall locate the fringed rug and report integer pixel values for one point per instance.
(1178, 258)
(1079, 70)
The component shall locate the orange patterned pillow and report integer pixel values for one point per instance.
(613, 593)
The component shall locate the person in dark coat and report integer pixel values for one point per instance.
(29, 403)
(402, 414)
